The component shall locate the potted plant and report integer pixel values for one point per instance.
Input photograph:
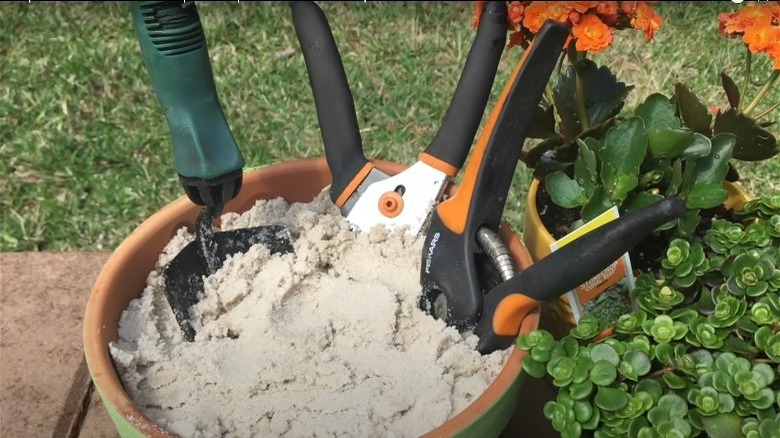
(588, 154)
(698, 358)
(123, 280)
(699, 355)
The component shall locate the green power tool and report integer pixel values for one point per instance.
(206, 156)
(173, 45)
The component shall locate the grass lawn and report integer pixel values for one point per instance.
(84, 147)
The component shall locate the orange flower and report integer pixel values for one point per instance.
(774, 53)
(516, 12)
(582, 7)
(736, 23)
(646, 19)
(628, 7)
(761, 35)
(538, 12)
(607, 9)
(515, 39)
(477, 13)
(592, 34)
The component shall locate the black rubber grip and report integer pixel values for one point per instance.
(502, 152)
(332, 96)
(460, 124)
(574, 264)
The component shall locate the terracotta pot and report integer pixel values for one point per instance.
(556, 316)
(123, 279)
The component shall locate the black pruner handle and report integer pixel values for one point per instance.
(565, 269)
(449, 272)
(452, 143)
(333, 100)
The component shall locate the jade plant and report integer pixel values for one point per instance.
(700, 356)
(590, 153)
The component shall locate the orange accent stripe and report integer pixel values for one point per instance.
(353, 185)
(454, 211)
(439, 164)
(510, 313)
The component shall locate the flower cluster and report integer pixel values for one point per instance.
(592, 24)
(758, 24)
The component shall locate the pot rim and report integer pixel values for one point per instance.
(98, 331)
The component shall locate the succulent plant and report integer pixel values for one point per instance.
(684, 262)
(693, 362)
(750, 273)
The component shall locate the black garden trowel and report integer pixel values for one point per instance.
(206, 156)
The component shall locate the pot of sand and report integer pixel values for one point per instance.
(141, 367)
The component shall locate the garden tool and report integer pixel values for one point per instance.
(505, 306)
(453, 273)
(206, 156)
(366, 196)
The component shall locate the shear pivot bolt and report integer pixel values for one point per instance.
(391, 204)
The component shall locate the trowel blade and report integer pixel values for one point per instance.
(183, 276)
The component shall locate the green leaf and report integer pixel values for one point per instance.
(625, 145)
(599, 203)
(753, 143)
(611, 399)
(636, 425)
(603, 373)
(674, 404)
(650, 386)
(579, 391)
(762, 336)
(533, 368)
(604, 96)
(731, 89)
(713, 167)
(657, 112)
(582, 411)
(669, 143)
(688, 223)
(564, 191)
(700, 147)
(674, 381)
(693, 111)
(723, 425)
(617, 184)
(543, 125)
(586, 168)
(533, 156)
(738, 345)
(639, 360)
(706, 195)
(676, 179)
(664, 353)
(765, 371)
(640, 200)
(604, 352)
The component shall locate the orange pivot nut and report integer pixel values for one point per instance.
(391, 204)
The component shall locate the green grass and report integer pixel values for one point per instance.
(84, 146)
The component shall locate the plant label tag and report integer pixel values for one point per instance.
(617, 279)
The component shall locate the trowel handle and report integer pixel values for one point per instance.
(507, 304)
(176, 56)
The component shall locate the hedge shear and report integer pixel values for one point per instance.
(365, 195)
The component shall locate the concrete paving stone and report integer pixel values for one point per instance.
(97, 423)
(43, 375)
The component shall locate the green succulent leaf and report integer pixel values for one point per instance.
(706, 195)
(753, 143)
(603, 373)
(692, 110)
(671, 143)
(533, 368)
(731, 89)
(565, 191)
(604, 96)
(586, 168)
(606, 353)
(598, 203)
(639, 360)
(621, 155)
(611, 399)
(657, 112)
(722, 425)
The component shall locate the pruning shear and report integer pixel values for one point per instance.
(462, 246)
(366, 196)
